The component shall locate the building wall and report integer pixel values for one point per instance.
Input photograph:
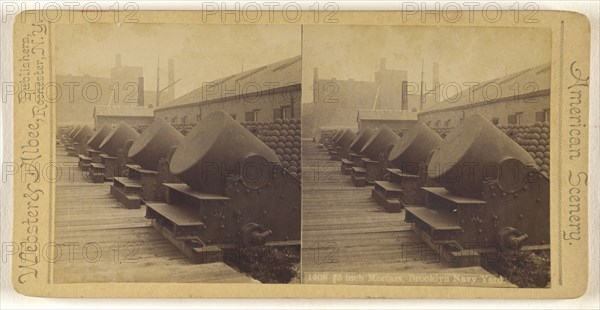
(264, 105)
(336, 102)
(78, 96)
(102, 120)
(391, 124)
(500, 110)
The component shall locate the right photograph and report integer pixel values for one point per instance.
(426, 156)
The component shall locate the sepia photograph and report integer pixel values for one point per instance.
(301, 152)
(427, 153)
(185, 147)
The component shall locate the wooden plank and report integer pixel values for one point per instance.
(179, 215)
(86, 214)
(185, 189)
(444, 193)
(437, 220)
(345, 231)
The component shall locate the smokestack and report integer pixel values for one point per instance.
(381, 64)
(140, 91)
(118, 61)
(435, 75)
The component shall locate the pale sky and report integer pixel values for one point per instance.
(464, 54)
(202, 53)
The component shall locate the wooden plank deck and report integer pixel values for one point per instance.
(346, 235)
(101, 241)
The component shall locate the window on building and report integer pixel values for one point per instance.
(437, 123)
(448, 123)
(542, 116)
(519, 118)
(184, 119)
(286, 111)
(495, 120)
(252, 116)
(174, 120)
(516, 119)
(198, 117)
(277, 113)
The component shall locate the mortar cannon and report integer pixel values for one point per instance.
(414, 149)
(68, 140)
(154, 143)
(360, 140)
(92, 153)
(78, 141)
(374, 157)
(83, 134)
(116, 139)
(114, 148)
(334, 146)
(342, 145)
(74, 132)
(475, 151)
(96, 139)
(492, 200)
(411, 155)
(148, 153)
(235, 192)
(354, 158)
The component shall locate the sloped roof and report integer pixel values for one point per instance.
(282, 73)
(116, 110)
(386, 115)
(522, 83)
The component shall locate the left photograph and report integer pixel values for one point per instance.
(184, 148)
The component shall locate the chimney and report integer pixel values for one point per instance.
(315, 74)
(435, 75)
(118, 61)
(140, 102)
(382, 64)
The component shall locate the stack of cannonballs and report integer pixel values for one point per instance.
(140, 128)
(283, 136)
(400, 132)
(535, 139)
(442, 131)
(328, 134)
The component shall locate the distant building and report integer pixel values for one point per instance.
(79, 94)
(260, 94)
(393, 119)
(112, 115)
(336, 102)
(519, 98)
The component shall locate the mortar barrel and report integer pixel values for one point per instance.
(475, 151)
(219, 147)
(346, 139)
(414, 148)
(337, 135)
(361, 139)
(98, 137)
(84, 134)
(154, 143)
(116, 139)
(379, 142)
(75, 131)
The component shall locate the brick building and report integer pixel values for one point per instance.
(260, 94)
(522, 97)
(336, 102)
